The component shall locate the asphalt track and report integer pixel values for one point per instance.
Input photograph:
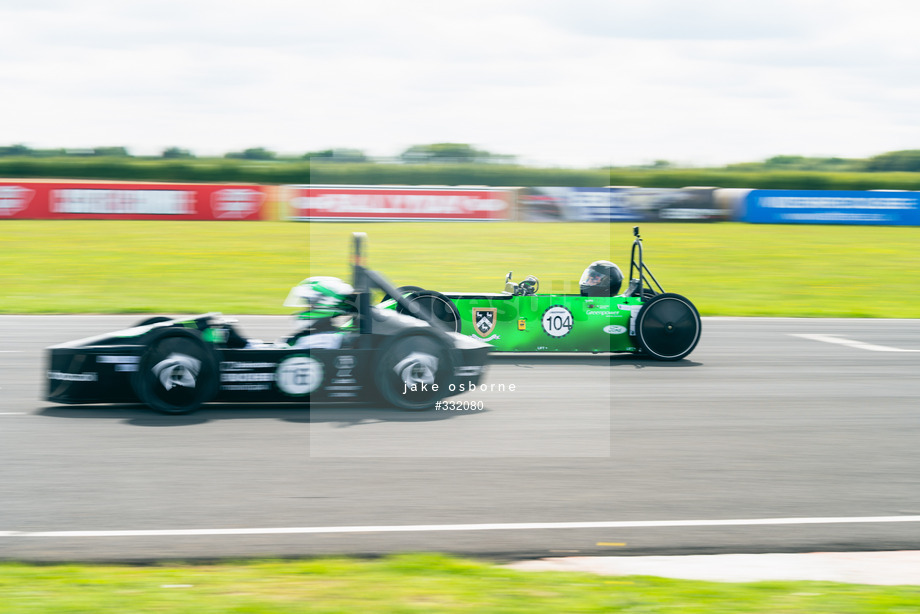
(775, 435)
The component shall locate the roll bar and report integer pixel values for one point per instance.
(364, 280)
(639, 266)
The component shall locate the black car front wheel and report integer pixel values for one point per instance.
(177, 372)
(414, 370)
(668, 327)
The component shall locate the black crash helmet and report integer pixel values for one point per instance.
(601, 278)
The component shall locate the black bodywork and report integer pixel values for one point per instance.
(175, 365)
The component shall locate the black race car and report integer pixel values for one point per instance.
(175, 365)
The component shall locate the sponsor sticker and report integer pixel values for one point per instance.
(246, 387)
(633, 312)
(123, 364)
(344, 362)
(127, 360)
(344, 380)
(614, 329)
(245, 366)
(247, 377)
(73, 377)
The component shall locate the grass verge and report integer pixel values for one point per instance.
(410, 583)
(90, 266)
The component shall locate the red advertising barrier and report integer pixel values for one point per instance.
(398, 203)
(130, 201)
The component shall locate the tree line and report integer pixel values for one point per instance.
(452, 164)
(457, 153)
(462, 153)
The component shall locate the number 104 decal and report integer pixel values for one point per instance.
(557, 321)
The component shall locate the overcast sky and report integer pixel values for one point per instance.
(567, 83)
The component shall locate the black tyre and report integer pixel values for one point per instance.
(177, 372)
(414, 370)
(153, 320)
(435, 305)
(668, 327)
(403, 290)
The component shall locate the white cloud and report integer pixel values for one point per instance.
(575, 83)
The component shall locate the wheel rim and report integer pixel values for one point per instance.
(176, 371)
(418, 362)
(669, 328)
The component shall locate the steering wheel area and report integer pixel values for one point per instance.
(528, 287)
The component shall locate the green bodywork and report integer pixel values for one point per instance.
(547, 322)
(550, 322)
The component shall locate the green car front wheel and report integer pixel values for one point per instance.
(668, 327)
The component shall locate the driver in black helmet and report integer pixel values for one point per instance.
(601, 278)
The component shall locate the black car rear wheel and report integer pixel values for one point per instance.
(177, 373)
(668, 327)
(414, 370)
(440, 308)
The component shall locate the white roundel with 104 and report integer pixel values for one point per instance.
(299, 375)
(557, 321)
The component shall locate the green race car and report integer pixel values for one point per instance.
(643, 319)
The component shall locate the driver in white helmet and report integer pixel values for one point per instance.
(323, 300)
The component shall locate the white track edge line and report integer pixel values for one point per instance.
(626, 524)
(850, 343)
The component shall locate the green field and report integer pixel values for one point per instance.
(726, 269)
(411, 583)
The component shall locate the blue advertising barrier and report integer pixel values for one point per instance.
(831, 207)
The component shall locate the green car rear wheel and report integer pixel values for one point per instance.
(440, 308)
